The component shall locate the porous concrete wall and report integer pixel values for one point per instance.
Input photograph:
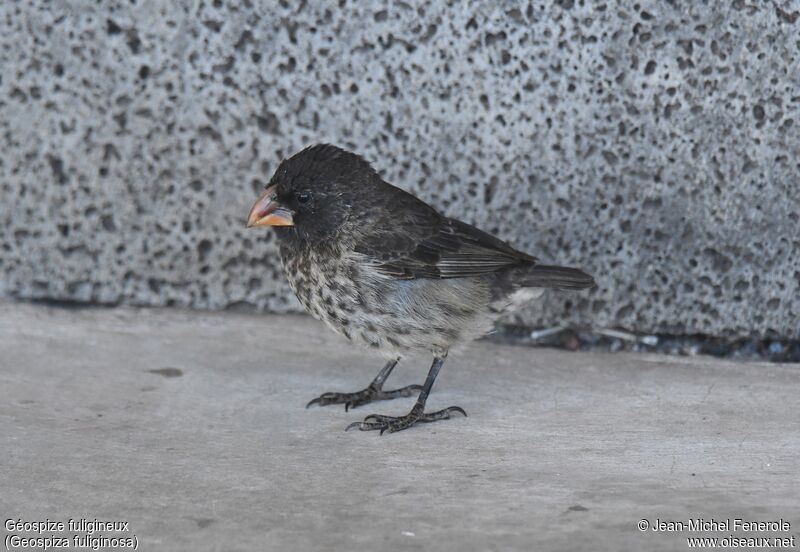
(654, 143)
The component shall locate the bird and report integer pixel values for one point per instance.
(386, 270)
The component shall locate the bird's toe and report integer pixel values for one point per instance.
(365, 396)
(393, 424)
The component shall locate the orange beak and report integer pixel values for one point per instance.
(267, 211)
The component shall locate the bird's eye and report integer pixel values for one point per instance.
(304, 197)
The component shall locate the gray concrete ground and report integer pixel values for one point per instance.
(192, 428)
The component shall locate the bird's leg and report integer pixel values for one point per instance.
(374, 392)
(417, 414)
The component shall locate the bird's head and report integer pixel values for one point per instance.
(312, 195)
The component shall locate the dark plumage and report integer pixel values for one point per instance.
(386, 270)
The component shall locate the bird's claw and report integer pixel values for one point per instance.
(328, 398)
(392, 424)
(365, 396)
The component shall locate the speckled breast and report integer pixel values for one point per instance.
(323, 282)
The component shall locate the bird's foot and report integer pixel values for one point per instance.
(360, 398)
(391, 424)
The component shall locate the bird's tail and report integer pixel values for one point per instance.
(554, 277)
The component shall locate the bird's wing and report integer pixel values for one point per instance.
(424, 244)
